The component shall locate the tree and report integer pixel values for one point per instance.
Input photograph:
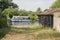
(10, 12)
(23, 13)
(33, 17)
(38, 10)
(4, 4)
(14, 5)
(56, 4)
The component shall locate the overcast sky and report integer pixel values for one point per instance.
(32, 5)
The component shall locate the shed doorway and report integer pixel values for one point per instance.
(46, 20)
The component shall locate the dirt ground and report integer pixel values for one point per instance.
(32, 34)
(20, 36)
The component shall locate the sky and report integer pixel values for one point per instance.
(32, 5)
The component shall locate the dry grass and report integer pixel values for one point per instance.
(38, 33)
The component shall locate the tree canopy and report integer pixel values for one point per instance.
(6, 4)
(11, 12)
(56, 4)
(33, 17)
(38, 10)
(23, 13)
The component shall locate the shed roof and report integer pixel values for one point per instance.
(50, 11)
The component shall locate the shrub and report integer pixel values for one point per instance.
(3, 21)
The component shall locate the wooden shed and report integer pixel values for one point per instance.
(50, 18)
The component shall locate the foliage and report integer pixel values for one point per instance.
(9, 9)
(11, 12)
(56, 4)
(14, 5)
(38, 10)
(3, 21)
(3, 31)
(23, 13)
(15, 12)
(33, 17)
(4, 4)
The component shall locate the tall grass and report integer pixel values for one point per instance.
(42, 32)
(29, 29)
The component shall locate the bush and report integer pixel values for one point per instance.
(3, 32)
(3, 21)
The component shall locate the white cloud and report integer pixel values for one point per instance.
(33, 4)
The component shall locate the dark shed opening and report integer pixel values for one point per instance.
(46, 20)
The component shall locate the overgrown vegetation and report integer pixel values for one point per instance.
(4, 31)
(56, 4)
(4, 4)
(32, 29)
(9, 9)
(37, 32)
(42, 33)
